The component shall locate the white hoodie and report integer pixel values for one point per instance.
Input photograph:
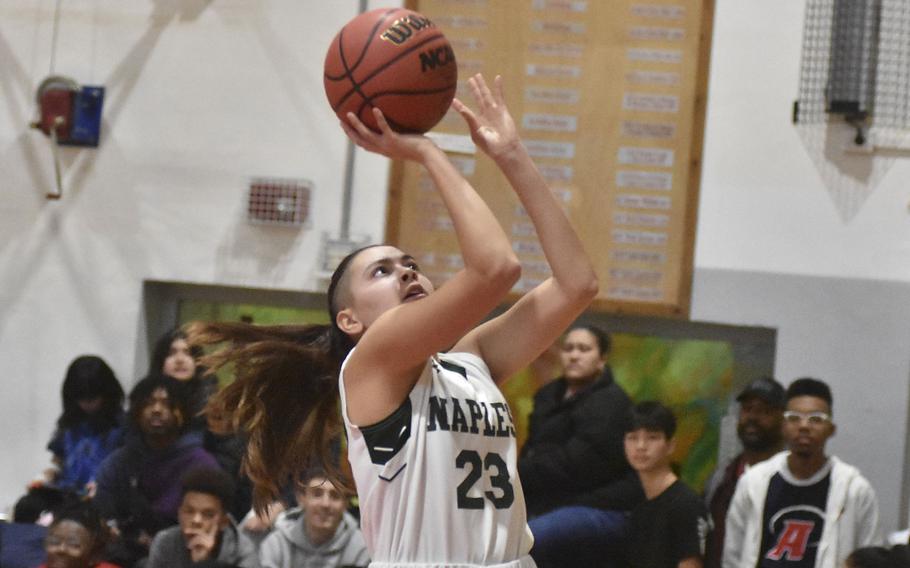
(851, 515)
(288, 546)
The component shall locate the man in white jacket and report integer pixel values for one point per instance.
(801, 508)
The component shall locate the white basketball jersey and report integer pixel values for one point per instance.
(437, 480)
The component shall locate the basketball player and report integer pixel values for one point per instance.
(430, 436)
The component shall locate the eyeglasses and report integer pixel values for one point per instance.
(813, 418)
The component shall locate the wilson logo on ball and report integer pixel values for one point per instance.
(393, 59)
(404, 28)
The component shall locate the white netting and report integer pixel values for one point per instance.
(891, 112)
(857, 51)
(855, 61)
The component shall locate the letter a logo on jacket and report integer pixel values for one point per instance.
(793, 540)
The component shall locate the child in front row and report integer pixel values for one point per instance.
(668, 529)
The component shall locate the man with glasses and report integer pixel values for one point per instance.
(801, 508)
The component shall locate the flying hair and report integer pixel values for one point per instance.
(284, 398)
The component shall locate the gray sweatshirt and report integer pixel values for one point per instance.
(169, 550)
(288, 546)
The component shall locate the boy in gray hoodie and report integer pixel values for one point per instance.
(206, 533)
(319, 533)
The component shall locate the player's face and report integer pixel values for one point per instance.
(69, 545)
(648, 450)
(179, 362)
(759, 425)
(200, 513)
(379, 279)
(324, 505)
(807, 425)
(580, 356)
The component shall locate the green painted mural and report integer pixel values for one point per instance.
(693, 377)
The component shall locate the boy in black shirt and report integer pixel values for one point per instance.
(668, 530)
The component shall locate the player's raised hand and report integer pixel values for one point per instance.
(492, 127)
(386, 142)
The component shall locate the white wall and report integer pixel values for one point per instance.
(778, 247)
(764, 206)
(202, 95)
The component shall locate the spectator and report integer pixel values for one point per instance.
(39, 502)
(90, 427)
(258, 526)
(139, 484)
(761, 416)
(206, 531)
(801, 507)
(175, 357)
(879, 557)
(318, 534)
(576, 480)
(76, 538)
(668, 529)
(22, 541)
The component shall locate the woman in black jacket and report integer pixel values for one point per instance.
(577, 482)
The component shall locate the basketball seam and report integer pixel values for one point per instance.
(356, 86)
(400, 128)
(363, 51)
(397, 126)
(414, 92)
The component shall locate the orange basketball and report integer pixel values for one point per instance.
(394, 59)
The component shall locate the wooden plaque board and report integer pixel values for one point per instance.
(610, 99)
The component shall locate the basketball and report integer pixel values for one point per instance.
(396, 60)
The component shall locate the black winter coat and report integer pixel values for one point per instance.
(574, 453)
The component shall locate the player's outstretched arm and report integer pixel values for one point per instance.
(510, 341)
(392, 351)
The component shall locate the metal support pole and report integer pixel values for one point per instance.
(348, 188)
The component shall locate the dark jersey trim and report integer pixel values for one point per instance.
(449, 366)
(384, 439)
(394, 475)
